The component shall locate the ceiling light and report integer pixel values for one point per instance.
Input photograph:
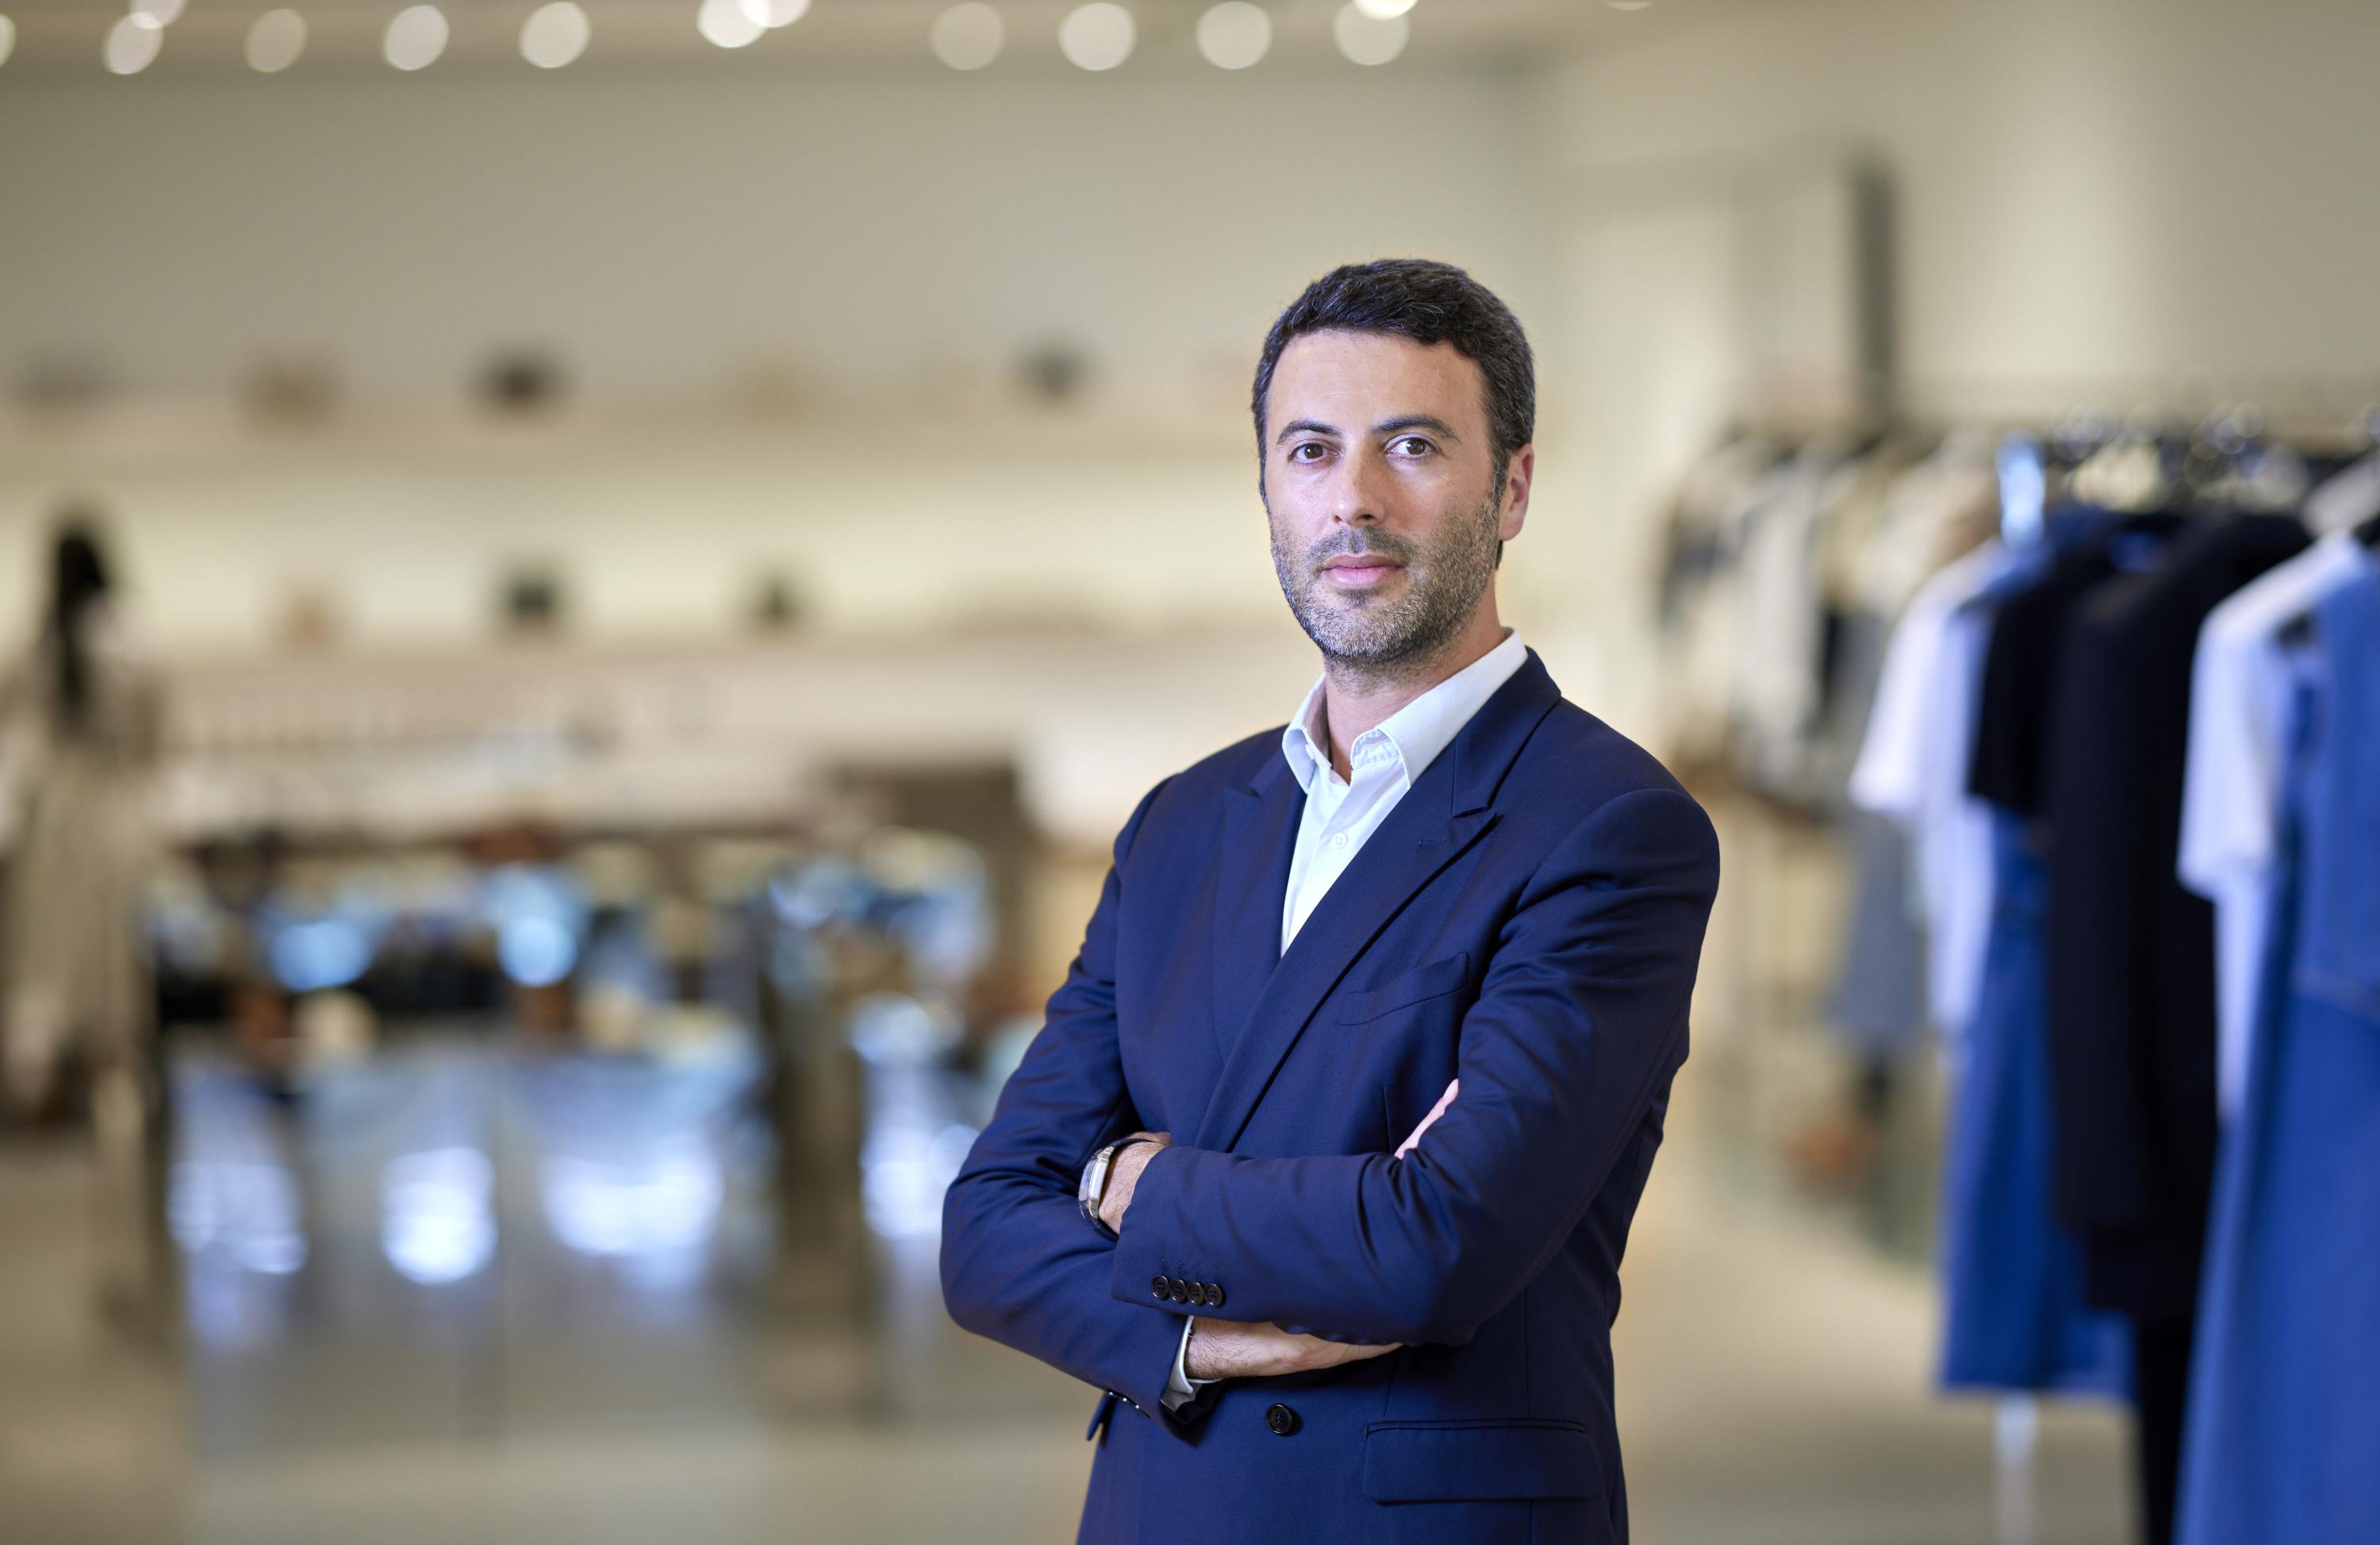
(1234, 35)
(725, 23)
(275, 42)
(967, 37)
(775, 13)
(1097, 37)
(415, 37)
(554, 34)
(165, 13)
(132, 45)
(8, 38)
(1384, 10)
(1369, 40)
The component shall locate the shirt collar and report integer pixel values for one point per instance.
(1416, 733)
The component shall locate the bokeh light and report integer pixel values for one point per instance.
(725, 23)
(1367, 39)
(967, 37)
(773, 14)
(1097, 37)
(555, 34)
(1234, 35)
(415, 37)
(132, 45)
(275, 39)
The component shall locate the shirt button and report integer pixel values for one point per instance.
(1340, 840)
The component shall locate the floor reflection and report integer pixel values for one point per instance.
(455, 1236)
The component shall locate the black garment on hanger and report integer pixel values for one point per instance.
(2130, 952)
(2021, 683)
(2130, 966)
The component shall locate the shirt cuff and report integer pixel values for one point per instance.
(1180, 1388)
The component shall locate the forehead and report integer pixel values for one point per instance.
(1347, 379)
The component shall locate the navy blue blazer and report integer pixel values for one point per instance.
(1529, 917)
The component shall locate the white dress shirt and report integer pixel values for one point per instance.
(2240, 696)
(1343, 812)
(1912, 769)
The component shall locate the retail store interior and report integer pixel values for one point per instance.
(652, 547)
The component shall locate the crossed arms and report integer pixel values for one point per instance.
(1579, 1020)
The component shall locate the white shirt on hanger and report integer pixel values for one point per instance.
(1341, 814)
(1913, 768)
(2239, 688)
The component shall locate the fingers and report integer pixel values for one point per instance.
(1334, 1354)
(1233, 1349)
(1123, 1176)
(1357, 1354)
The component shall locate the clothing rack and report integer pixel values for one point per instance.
(1795, 548)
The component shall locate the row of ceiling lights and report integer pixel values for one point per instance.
(1232, 35)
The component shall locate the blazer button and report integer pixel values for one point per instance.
(1159, 1287)
(1281, 1420)
(1214, 1295)
(1181, 1291)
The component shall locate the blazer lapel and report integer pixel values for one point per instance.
(1259, 834)
(1446, 811)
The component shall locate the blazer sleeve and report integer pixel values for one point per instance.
(1019, 1262)
(1580, 1021)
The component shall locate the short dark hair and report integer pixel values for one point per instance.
(1429, 303)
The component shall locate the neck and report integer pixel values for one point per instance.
(1358, 695)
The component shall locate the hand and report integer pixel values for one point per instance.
(1123, 1174)
(1228, 1350)
(1435, 1112)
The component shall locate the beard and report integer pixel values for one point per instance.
(1385, 637)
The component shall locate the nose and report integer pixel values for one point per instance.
(1359, 495)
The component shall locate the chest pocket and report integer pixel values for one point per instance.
(1435, 979)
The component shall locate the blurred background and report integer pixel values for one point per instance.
(588, 585)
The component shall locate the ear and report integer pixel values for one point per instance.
(1518, 474)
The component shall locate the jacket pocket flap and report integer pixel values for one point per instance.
(1478, 1461)
(1433, 980)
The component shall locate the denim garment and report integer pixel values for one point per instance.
(2284, 1434)
(2012, 1281)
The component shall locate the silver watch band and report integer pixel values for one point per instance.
(1094, 1186)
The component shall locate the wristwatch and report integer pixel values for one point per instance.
(1093, 1189)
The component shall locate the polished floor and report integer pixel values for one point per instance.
(467, 1296)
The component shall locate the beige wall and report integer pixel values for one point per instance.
(2112, 198)
(663, 225)
(892, 241)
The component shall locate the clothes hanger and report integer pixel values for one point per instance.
(2129, 474)
(2024, 489)
(2299, 630)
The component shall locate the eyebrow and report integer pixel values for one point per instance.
(1385, 427)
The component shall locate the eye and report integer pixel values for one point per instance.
(1298, 453)
(1410, 445)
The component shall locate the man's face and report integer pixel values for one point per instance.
(1377, 475)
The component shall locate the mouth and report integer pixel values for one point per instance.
(1362, 571)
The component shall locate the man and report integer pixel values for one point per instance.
(1325, 1159)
